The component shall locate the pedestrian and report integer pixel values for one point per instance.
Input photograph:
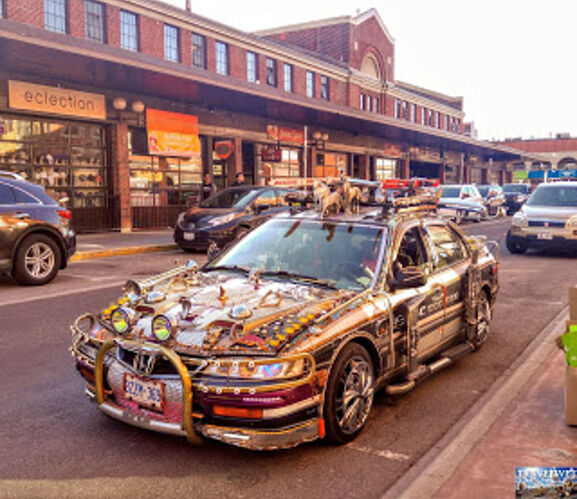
(239, 179)
(208, 187)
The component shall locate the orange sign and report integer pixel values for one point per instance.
(172, 134)
(44, 99)
(281, 134)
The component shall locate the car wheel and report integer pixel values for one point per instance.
(514, 246)
(240, 232)
(349, 394)
(37, 260)
(478, 217)
(459, 217)
(483, 321)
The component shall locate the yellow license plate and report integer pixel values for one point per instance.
(144, 392)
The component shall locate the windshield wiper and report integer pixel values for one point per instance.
(228, 267)
(328, 283)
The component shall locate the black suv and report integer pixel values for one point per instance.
(36, 239)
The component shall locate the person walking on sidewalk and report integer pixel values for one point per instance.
(208, 187)
(239, 179)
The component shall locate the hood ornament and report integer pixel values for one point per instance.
(270, 299)
(222, 296)
(155, 297)
(240, 312)
(254, 276)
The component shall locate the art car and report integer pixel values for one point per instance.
(286, 336)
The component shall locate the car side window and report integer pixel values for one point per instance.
(24, 198)
(6, 195)
(447, 246)
(411, 251)
(266, 198)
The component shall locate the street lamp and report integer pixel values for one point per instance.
(319, 139)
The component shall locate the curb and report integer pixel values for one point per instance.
(438, 465)
(127, 250)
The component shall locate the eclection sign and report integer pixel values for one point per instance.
(62, 101)
(281, 134)
(172, 134)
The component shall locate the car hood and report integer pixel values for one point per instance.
(226, 313)
(549, 212)
(200, 216)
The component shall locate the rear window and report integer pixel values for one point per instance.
(450, 192)
(554, 195)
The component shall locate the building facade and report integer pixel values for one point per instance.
(121, 106)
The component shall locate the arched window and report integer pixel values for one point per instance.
(370, 66)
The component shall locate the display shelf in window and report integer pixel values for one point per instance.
(51, 155)
(22, 170)
(88, 177)
(49, 176)
(87, 157)
(14, 152)
(88, 198)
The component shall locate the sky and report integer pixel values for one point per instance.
(513, 61)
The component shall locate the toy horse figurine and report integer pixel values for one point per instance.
(334, 200)
(321, 190)
(352, 198)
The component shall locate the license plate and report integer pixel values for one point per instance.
(147, 393)
(189, 236)
(545, 235)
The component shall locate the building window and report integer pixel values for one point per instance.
(325, 90)
(94, 21)
(270, 72)
(55, 15)
(376, 105)
(423, 116)
(437, 119)
(397, 108)
(171, 46)
(198, 48)
(369, 103)
(128, 31)
(310, 84)
(1, 9)
(362, 102)
(288, 77)
(251, 67)
(458, 126)
(405, 110)
(221, 58)
(413, 113)
(431, 118)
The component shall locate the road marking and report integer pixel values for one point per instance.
(386, 454)
(56, 294)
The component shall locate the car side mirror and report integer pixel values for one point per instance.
(410, 277)
(260, 207)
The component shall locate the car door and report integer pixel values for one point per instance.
(7, 220)
(264, 206)
(450, 267)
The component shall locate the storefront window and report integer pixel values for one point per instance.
(288, 166)
(67, 159)
(385, 168)
(159, 181)
(330, 164)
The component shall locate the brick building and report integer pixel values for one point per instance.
(122, 105)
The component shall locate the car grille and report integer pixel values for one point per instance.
(546, 223)
(161, 366)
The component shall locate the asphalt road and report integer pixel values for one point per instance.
(54, 443)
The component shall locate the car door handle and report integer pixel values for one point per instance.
(21, 215)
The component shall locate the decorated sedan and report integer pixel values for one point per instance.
(285, 337)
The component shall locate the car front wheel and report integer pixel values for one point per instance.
(482, 327)
(514, 245)
(349, 394)
(37, 260)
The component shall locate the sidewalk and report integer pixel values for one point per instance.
(520, 422)
(105, 244)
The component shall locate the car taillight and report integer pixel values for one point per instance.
(495, 268)
(65, 214)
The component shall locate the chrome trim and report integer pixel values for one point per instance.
(278, 412)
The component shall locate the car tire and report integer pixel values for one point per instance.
(37, 260)
(459, 217)
(351, 373)
(483, 325)
(514, 246)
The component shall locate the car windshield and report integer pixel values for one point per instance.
(522, 188)
(554, 195)
(230, 198)
(450, 192)
(342, 255)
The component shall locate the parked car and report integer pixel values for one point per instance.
(465, 201)
(493, 199)
(228, 215)
(547, 219)
(286, 335)
(36, 239)
(515, 196)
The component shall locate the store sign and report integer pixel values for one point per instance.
(223, 148)
(281, 134)
(294, 181)
(392, 151)
(44, 99)
(172, 134)
(271, 154)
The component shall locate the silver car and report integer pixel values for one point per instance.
(547, 219)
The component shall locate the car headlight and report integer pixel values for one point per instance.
(224, 219)
(180, 218)
(163, 327)
(520, 219)
(249, 369)
(122, 319)
(571, 222)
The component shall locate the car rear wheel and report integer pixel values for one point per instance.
(349, 394)
(482, 327)
(37, 260)
(514, 245)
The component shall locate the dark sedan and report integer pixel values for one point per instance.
(36, 239)
(515, 196)
(228, 215)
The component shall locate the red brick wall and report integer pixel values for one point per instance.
(29, 12)
(113, 25)
(299, 80)
(543, 145)
(237, 62)
(76, 18)
(151, 37)
(370, 38)
(185, 47)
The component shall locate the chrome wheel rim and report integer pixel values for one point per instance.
(355, 395)
(483, 320)
(39, 260)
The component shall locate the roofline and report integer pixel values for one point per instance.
(410, 86)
